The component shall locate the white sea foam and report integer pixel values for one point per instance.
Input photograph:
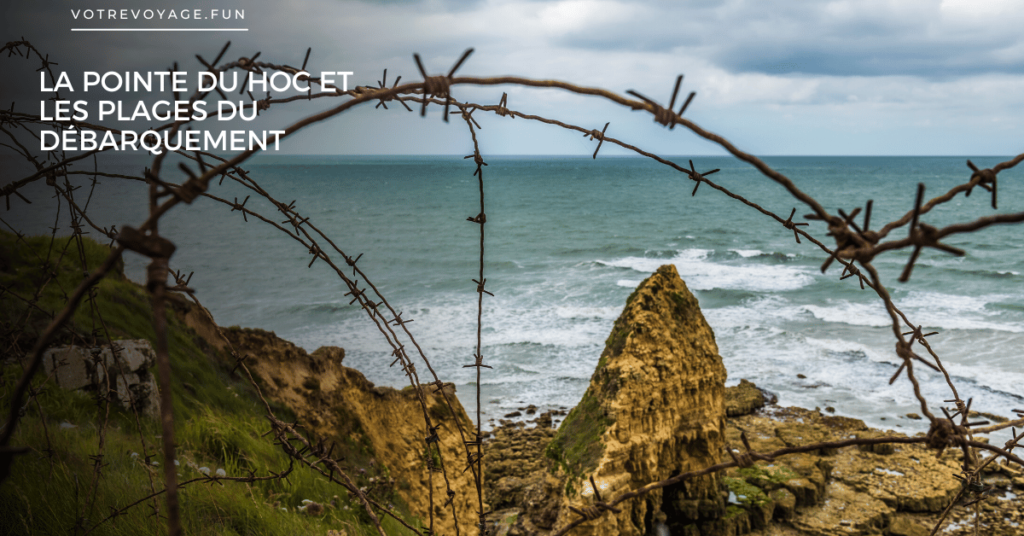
(745, 253)
(999, 378)
(852, 348)
(701, 274)
(764, 311)
(855, 314)
(583, 312)
(957, 303)
(544, 339)
(930, 309)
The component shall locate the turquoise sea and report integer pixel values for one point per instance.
(568, 238)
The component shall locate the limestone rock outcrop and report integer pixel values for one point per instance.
(743, 399)
(897, 491)
(339, 403)
(848, 491)
(654, 409)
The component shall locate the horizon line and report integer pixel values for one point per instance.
(159, 29)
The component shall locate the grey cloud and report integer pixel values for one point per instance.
(923, 61)
(813, 38)
(893, 55)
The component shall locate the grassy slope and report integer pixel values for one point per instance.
(218, 423)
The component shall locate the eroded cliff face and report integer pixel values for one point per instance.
(382, 429)
(654, 409)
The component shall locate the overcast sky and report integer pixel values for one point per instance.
(866, 77)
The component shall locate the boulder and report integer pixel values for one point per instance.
(743, 399)
(123, 369)
(877, 448)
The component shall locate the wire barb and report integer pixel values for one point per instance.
(439, 86)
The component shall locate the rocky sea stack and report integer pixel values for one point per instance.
(654, 409)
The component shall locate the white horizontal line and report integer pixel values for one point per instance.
(159, 29)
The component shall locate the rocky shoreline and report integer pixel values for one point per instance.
(884, 489)
(656, 407)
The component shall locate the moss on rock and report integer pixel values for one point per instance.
(577, 446)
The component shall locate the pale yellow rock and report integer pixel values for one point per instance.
(902, 526)
(785, 503)
(743, 399)
(911, 480)
(338, 403)
(654, 409)
(844, 512)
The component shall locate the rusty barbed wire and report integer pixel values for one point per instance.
(154, 248)
(854, 244)
(480, 219)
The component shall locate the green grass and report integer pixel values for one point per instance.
(41, 498)
(613, 345)
(218, 425)
(431, 457)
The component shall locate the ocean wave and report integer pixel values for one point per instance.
(855, 314)
(993, 312)
(929, 309)
(760, 312)
(990, 274)
(938, 301)
(950, 311)
(775, 256)
(701, 274)
(1006, 306)
(318, 307)
(849, 349)
(530, 379)
(721, 297)
(995, 380)
(583, 312)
